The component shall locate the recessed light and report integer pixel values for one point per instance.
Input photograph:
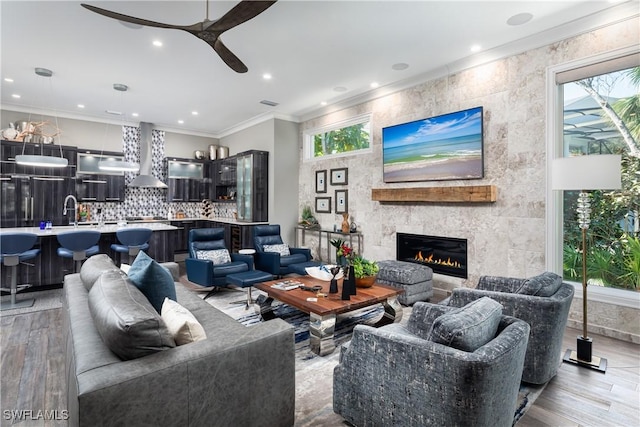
(266, 76)
(520, 18)
(476, 48)
(374, 85)
(339, 89)
(134, 114)
(400, 66)
(8, 80)
(181, 122)
(194, 113)
(16, 96)
(323, 103)
(157, 43)
(80, 105)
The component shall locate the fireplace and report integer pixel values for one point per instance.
(445, 255)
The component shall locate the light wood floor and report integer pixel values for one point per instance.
(33, 369)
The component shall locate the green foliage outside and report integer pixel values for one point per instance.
(613, 253)
(355, 137)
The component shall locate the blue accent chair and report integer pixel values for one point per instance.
(273, 262)
(203, 272)
(16, 248)
(78, 245)
(132, 241)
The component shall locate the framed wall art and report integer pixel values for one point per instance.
(321, 181)
(323, 204)
(339, 176)
(342, 201)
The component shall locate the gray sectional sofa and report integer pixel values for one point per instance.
(240, 376)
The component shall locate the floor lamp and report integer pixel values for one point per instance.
(585, 173)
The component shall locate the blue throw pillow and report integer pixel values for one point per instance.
(153, 280)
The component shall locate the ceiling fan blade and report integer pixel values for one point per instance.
(138, 21)
(228, 57)
(242, 12)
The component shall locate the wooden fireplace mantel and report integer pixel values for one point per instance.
(460, 194)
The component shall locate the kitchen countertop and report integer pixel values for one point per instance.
(107, 228)
(112, 226)
(224, 220)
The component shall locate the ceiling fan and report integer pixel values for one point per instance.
(207, 30)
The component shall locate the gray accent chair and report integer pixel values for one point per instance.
(399, 376)
(543, 302)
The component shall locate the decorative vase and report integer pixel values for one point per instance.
(345, 223)
(365, 282)
(348, 283)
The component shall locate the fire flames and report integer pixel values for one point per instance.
(438, 261)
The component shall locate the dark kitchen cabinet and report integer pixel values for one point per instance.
(252, 183)
(96, 185)
(27, 200)
(186, 180)
(223, 180)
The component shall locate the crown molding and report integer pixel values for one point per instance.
(619, 13)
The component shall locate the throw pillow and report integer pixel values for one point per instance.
(93, 267)
(152, 279)
(126, 321)
(217, 256)
(469, 327)
(182, 325)
(542, 285)
(282, 249)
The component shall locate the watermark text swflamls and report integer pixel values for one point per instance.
(30, 414)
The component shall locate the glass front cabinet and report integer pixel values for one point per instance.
(252, 172)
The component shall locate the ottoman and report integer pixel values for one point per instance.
(415, 279)
(248, 279)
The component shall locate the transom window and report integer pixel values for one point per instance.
(338, 139)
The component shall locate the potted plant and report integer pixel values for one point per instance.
(344, 252)
(364, 270)
(308, 220)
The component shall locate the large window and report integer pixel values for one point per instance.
(601, 115)
(345, 137)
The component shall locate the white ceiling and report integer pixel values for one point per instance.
(309, 47)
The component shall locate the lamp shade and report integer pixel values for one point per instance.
(595, 172)
(118, 166)
(41, 161)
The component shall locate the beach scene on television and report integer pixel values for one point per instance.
(445, 147)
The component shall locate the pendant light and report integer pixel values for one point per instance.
(114, 165)
(40, 160)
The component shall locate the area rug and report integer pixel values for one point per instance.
(314, 374)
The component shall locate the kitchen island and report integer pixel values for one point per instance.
(47, 270)
(170, 237)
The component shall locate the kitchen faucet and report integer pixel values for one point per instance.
(74, 208)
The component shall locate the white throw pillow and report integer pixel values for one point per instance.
(217, 256)
(184, 327)
(282, 249)
(125, 268)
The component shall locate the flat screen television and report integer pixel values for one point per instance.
(445, 147)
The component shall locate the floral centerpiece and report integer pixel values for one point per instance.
(365, 271)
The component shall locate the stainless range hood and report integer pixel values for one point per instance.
(146, 179)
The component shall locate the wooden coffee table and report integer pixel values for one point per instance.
(324, 311)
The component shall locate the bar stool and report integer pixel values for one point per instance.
(132, 241)
(78, 245)
(16, 248)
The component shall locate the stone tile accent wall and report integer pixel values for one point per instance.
(505, 238)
